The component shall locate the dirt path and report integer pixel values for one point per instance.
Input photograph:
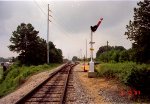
(102, 90)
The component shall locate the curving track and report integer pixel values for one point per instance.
(53, 90)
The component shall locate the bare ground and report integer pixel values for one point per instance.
(102, 90)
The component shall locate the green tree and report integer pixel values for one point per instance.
(131, 53)
(103, 49)
(59, 55)
(55, 55)
(120, 48)
(74, 58)
(25, 42)
(138, 31)
(124, 56)
(31, 48)
(103, 57)
(110, 54)
(116, 55)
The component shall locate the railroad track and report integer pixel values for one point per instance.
(53, 90)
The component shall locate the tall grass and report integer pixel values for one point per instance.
(17, 75)
(116, 69)
(1, 72)
(135, 75)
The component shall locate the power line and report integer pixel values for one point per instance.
(44, 2)
(58, 18)
(63, 22)
(42, 9)
(66, 33)
(59, 26)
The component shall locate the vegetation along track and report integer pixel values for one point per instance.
(53, 90)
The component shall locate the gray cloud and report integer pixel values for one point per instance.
(71, 24)
(5, 10)
(12, 14)
(79, 16)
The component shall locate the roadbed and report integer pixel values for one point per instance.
(101, 90)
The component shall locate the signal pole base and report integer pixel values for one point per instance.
(91, 63)
(91, 74)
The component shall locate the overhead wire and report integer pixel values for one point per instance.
(62, 23)
(41, 27)
(40, 8)
(56, 23)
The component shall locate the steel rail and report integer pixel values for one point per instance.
(62, 101)
(66, 84)
(40, 85)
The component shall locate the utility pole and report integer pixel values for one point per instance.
(86, 50)
(48, 36)
(68, 56)
(81, 53)
(107, 51)
(84, 63)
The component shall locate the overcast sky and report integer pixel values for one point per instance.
(70, 26)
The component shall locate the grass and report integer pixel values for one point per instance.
(1, 72)
(17, 75)
(137, 76)
(118, 70)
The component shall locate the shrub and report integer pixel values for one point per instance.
(139, 78)
(134, 75)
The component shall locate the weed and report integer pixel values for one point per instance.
(135, 75)
(16, 75)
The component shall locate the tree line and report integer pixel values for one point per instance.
(4, 59)
(138, 32)
(114, 54)
(31, 48)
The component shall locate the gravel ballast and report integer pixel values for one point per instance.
(82, 97)
(99, 90)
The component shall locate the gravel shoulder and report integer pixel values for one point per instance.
(100, 90)
(30, 83)
(82, 96)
